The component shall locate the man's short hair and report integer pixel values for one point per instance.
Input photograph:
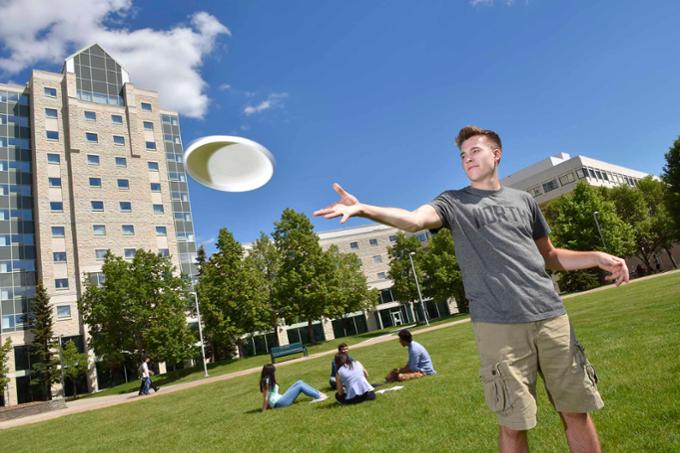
(405, 335)
(341, 346)
(471, 131)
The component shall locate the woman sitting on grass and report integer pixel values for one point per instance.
(271, 398)
(351, 381)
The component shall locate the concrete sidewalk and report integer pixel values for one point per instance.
(90, 404)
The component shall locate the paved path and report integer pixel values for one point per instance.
(89, 404)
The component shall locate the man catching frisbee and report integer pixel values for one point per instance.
(519, 321)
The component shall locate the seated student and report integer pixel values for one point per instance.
(343, 348)
(351, 382)
(271, 398)
(419, 362)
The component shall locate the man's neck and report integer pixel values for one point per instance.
(491, 183)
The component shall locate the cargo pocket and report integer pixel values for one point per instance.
(583, 362)
(498, 387)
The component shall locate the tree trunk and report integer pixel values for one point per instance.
(310, 331)
(648, 265)
(668, 252)
(75, 390)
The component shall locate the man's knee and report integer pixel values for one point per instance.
(574, 419)
(512, 433)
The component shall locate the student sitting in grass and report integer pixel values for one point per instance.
(351, 381)
(342, 347)
(419, 361)
(271, 398)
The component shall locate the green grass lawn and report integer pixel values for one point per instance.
(632, 336)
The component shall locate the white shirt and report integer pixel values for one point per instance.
(354, 380)
(145, 370)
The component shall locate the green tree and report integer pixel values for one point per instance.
(5, 350)
(75, 364)
(231, 297)
(442, 278)
(663, 226)
(44, 360)
(264, 259)
(140, 308)
(572, 219)
(201, 259)
(304, 271)
(404, 289)
(671, 176)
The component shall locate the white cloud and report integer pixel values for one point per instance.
(274, 100)
(224, 87)
(167, 61)
(491, 2)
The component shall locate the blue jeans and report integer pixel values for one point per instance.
(294, 390)
(146, 386)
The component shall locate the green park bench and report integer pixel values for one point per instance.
(282, 351)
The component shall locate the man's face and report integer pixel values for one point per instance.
(479, 157)
(404, 343)
(344, 349)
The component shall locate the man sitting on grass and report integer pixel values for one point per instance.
(419, 361)
(342, 349)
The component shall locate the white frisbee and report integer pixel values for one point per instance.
(228, 163)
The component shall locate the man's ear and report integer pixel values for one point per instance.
(497, 154)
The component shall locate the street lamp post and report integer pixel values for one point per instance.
(599, 230)
(420, 296)
(200, 333)
(61, 363)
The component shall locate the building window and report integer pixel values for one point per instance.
(550, 185)
(151, 145)
(63, 311)
(96, 183)
(52, 135)
(581, 173)
(56, 206)
(118, 140)
(51, 113)
(535, 191)
(164, 252)
(354, 245)
(90, 116)
(373, 242)
(92, 137)
(422, 237)
(381, 276)
(125, 206)
(58, 231)
(96, 278)
(155, 187)
(100, 254)
(129, 253)
(53, 158)
(393, 238)
(566, 179)
(92, 159)
(158, 209)
(121, 162)
(377, 259)
(128, 230)
(123, 184)
(591, 172)
(161, 231)
(50, 92)
(97, 206)
(54, 182)
(146, 106)
(59, 257)
(148, 125)
(99, 230)
(117, 119)
(61, 283)
(153, 166)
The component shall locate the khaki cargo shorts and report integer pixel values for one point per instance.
(512, 355)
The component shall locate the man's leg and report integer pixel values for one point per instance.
(512, 441)
(581, 433)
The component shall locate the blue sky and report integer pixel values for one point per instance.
(371, 94)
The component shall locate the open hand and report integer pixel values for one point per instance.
(348, 206)
(618, 271)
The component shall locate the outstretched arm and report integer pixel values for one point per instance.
(349, 206)
(570, 260)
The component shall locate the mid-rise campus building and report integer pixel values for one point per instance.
(88, 163)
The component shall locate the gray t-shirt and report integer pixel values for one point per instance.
(503, 272)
